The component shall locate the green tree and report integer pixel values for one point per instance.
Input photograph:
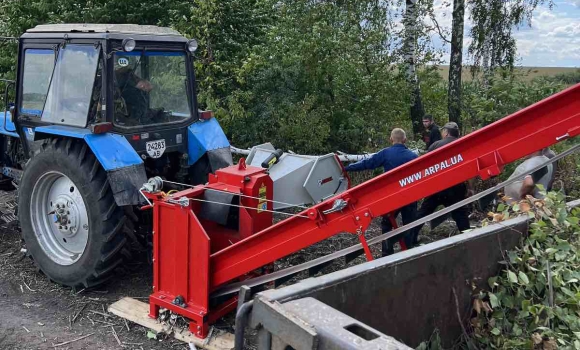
(325, 73)
(493, 45)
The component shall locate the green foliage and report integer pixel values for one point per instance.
(309, 76)
(535, 301)
(321, 67)
(504, 95)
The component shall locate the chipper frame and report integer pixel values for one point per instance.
(209, 236)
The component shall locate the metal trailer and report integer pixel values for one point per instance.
(405, 296)
(209, 240)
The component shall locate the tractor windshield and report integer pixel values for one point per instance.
(150, 88)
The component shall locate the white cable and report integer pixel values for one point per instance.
(238, 206)
(239, 194)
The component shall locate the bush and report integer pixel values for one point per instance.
(534, 303)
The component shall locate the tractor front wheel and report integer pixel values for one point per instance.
(70, 222)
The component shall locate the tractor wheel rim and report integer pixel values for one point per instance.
(59, 218)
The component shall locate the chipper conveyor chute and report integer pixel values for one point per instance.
(197, 253)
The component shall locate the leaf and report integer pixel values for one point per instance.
(477, 305)
(550, 344)
(497, 217)
(422, 346)
(512, 277)
(495, 331)
(492, 282)
(517, 330)
(526, 305)
(537, 339)
(568, 292)
(486, 307)
(523, 278)
(151, 334)
(501, 207)
(525, 206)
(493, 300)
(506, 215)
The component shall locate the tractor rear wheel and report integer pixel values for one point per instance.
(70, 222)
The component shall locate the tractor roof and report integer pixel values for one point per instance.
(113, 31)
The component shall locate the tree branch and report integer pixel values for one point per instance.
(441, 35)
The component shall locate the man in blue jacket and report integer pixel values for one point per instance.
(390, 158)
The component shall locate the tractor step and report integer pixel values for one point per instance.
(138, 312)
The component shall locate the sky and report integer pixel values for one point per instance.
(553, 40)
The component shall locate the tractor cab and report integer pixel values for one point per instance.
(131, 80)
(134, 77)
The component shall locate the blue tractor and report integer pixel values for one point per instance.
(98, 110)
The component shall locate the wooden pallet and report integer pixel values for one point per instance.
(138, 311)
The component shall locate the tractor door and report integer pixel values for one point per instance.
(59, 84)
(72, 85)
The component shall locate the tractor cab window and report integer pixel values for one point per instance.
(150, 88)
(71, 86)
(38, 66)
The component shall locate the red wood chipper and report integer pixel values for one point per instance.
(208, 237)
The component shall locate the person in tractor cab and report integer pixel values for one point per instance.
(431, 133)
(132, 95)
(449, 196)
(528, 186)
(390, 158)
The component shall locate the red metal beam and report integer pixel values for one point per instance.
(482, 153)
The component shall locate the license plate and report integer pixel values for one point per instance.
(155, 148)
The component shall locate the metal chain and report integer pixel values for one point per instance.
(239, 194)
(234, 287)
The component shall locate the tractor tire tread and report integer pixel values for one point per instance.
(116, 230)
(108, 219)
(111, 254)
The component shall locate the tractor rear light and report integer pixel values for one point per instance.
(205, 115)
(135, 137)
(101, 128)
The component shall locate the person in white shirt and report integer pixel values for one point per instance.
(528, 186)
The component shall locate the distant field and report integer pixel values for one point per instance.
(528, 72)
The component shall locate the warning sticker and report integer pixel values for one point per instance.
(262, 201)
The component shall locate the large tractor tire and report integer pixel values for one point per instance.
(72, 227)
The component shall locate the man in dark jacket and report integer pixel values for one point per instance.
(390, 158)
(447, 197)
(431, 134)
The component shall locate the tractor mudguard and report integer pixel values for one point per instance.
(125, 169)
(7, 127)
(208, 136)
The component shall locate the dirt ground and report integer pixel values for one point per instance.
(38, 314)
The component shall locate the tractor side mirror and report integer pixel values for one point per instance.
(12, 112)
